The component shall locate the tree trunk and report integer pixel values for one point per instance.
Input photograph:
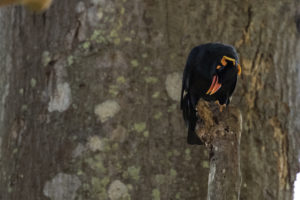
(89, 96)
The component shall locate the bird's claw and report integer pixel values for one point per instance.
(221, 107)
(224, 63)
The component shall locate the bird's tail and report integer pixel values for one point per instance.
(192, 137)
(190, 117)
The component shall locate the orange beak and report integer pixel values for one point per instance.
(215, 86)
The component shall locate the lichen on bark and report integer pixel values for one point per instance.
(124, 52)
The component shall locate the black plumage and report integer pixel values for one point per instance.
(210, 73)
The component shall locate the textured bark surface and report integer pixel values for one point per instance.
(221, 132)
(89, 98)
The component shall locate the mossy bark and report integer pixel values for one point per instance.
(88, 107)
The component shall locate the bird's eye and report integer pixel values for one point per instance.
(218, 66)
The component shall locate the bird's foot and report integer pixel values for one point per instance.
(221, 107)
(224, 63)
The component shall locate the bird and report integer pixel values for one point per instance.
(34, 5)
(210, 73)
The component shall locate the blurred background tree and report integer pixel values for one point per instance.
(89, 105)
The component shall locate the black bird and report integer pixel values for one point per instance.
(210, 73)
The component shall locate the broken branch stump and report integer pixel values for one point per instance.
(221, 133)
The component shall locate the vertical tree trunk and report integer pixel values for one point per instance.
(89, 96)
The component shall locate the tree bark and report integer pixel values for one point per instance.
(89, 95)
(221, 132)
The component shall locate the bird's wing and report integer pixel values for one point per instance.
(187, 73)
